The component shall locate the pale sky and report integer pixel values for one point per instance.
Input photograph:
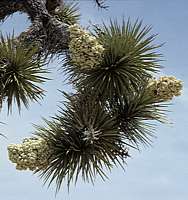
(156, 173)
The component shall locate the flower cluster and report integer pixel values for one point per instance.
(85, 50)
(32, 154)
(165, 88)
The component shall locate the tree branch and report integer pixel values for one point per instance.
(51, 34)
(8, 7)
(100, 4)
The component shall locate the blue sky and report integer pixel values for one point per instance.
(158, 172)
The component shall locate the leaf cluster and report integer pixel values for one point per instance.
(68, 13)
(129, 59)
(85, 141)
(135, 114)
(20, 73)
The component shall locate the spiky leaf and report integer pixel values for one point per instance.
(135, 114)
(20, 73)
(68, 13)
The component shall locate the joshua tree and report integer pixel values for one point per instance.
(112, 70)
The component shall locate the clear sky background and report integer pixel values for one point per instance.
(156, 173)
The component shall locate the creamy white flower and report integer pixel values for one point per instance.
(85, 50)
(33, 153)
(165, 88)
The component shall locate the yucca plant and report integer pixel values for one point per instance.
(20, 73)
(116, 98)
(84, 140)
